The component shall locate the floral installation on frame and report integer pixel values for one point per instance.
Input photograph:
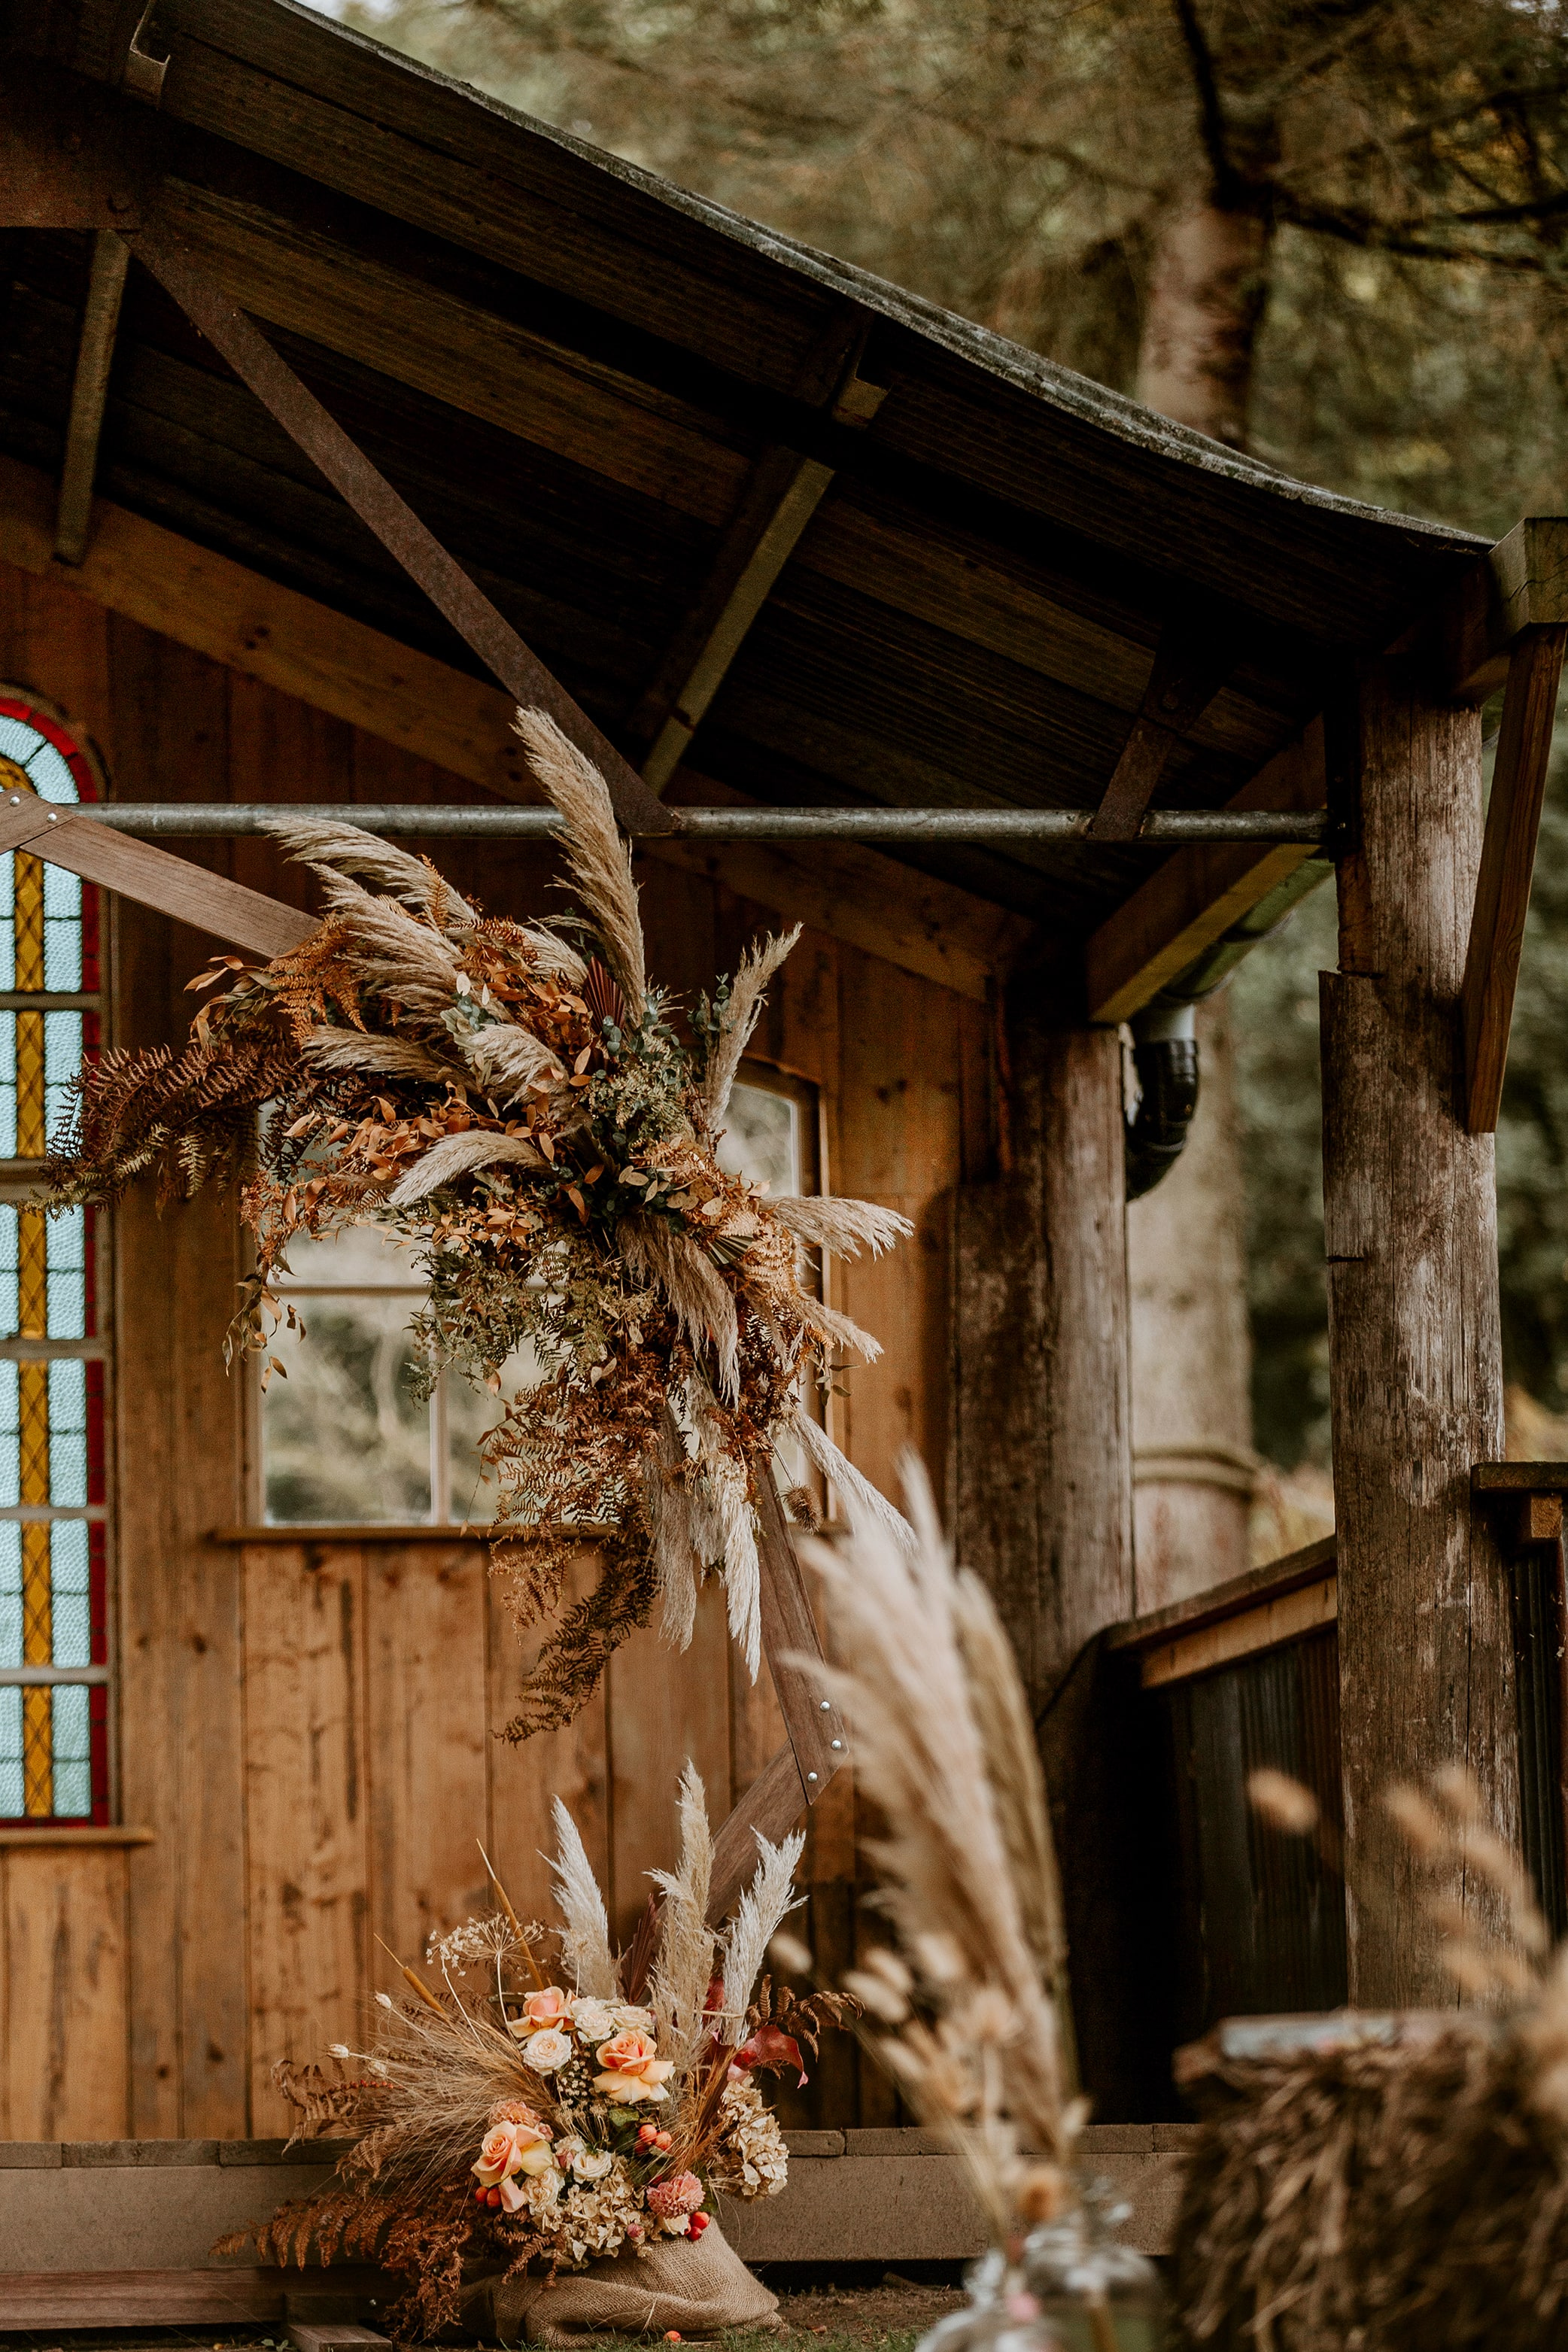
(556, 2115)
(516, 1102)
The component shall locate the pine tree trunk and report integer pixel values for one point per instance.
(1192, 1397)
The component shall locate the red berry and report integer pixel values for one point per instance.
(663, 2139)
(480, 2195)
(493, 2197)
(699, 2224)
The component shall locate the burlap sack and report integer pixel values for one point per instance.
(699, 2287)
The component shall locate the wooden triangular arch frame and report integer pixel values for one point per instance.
(817, 1743)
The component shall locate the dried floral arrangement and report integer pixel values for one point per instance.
(517, 1103)
(554, 2104)
(1384, 2183)
(972, 2000)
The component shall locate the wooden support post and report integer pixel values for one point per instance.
(1040, 1492)
(1425, 1652)
(90, 393)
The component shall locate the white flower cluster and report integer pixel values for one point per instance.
(751, 2158)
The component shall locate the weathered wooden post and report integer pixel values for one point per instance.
(1426, 1645)
(1040, 1473)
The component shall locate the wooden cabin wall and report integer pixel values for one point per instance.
(308, 1729)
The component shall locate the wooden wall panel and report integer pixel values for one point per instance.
(312, 1731)
(306, 1793)
(427, 1738)
(63, 1925)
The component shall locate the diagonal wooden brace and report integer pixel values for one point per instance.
(390, 517)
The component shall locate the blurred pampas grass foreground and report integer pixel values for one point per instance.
(971, 2007)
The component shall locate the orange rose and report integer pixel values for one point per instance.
(633, 2070)
(509, 2148)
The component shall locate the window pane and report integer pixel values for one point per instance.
(10, 1595)
(70, 1586)
(363, 1257)
(762, 1138)
(73, 1752)
(342, 1438)
(66, 1244)
(470, 1413)
(67, 1432)
(62, 930)
(11, 1804)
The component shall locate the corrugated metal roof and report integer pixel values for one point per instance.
(574, 371)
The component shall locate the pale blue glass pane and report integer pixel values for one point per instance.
(18, 741)
(7, 1085)
(65, 1257)
(49, 774)
(67, 1432)
(70, 1594)
(62, 928)
(8, 1308)
(62, 1060)
(7, 928)
(73, 1751)
(10, 1749)
(11, 1593)
(10, 1491)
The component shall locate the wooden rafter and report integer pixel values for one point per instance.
(90, 393)
(783, 493)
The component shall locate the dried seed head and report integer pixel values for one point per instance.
(788, 1953)
(1283, 1801)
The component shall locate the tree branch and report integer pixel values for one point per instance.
(1211, 111)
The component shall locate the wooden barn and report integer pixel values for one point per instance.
(341, 407)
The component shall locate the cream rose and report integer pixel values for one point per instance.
(633, 2021)
(633, 2070)
(544, 2051)
(595, 2020)
(593, 2164)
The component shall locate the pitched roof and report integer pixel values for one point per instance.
(583, 379)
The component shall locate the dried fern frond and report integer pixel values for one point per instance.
(600, 862)
(738, 1017)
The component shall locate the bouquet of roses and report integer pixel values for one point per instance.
(557, 2114)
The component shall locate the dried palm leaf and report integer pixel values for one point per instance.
(595, 853)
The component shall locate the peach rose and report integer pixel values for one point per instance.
(549, 2006)
(633, 2070)
(508, 2149)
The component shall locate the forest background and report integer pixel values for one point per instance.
(1333, 233)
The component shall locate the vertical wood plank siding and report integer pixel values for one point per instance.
(311, 1729)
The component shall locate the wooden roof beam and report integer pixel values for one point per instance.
(1521, 584)
(1188, 673)
(89, 393)
(1199, 894)
(783, 493)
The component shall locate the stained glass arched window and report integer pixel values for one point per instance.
(54, 1616)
